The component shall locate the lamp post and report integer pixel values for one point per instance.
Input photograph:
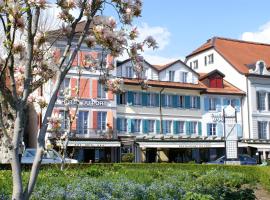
(230, 134)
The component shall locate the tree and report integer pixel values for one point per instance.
(29, 61)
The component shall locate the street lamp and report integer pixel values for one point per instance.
(230, 133)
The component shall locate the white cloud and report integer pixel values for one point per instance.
(161, 34)
(262, 35)
(159, 60)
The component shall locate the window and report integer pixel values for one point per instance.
(168, 100)
(122, 98)
(151, 124)
(137, 125)
(101, 123)
(101, 91)
(123, 125)
(171, 75)
(64, 86)
(82, 122)
(261, 66)
(137, 98)
(216, 83)
(205, 60)
(212, 129)
(193, 127)
(183, 77)
(167, 126)
(210, 58)
(193, 102)
(152, 99)
(212, 104)
(65, 122)
(181, 101)
(190, 64)
(129, 72)
(195, 64)
(262, 129)
(180, 127)
(261, 100)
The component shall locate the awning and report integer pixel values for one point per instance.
(181, 144)
(94, 144)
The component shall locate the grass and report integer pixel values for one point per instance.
(144, 181)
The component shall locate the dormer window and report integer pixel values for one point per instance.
(261, 67)
(129, 72)
(216, 82)
(171, 76)
(183, 77)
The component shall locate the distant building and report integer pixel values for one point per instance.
(246, 65)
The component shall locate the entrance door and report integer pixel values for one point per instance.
(151, 155)
(89, 155)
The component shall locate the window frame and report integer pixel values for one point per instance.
(193, 125)
(101, 123)
(84, 128)
(137, 126)
(101, 93)
(212, 129)
(171, 76)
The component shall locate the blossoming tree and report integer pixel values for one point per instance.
(28, 61)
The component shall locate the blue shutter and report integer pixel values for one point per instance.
(237, 105)
(157, 99)
(145, 125)
(118, 99)
(118, 125)
(144, 99)
(163, 126)
(129, 129)
(163, 100)
(198, 102)
(225, 102)
(187, 102)
(218, 104)
(132, 125)
(206, 103)
(239, 130)
(175, 101)
(208, 130)
(130, 98)
(175, 127)
(200, 128)
(219, 129)
(157, 126)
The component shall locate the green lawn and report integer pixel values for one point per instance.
(145, 181)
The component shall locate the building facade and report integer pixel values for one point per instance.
(246, 66)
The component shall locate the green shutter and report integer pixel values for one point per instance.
(157, 99)
(187, 128)
(219, 129)
(163, 126)
(145, 126)
(208, 130)
(200, 128)
(175, 127)
(144, 98)
(129, 129)
(175, 101)
(130, 98)
(118, 99)
(198, 102)
(163, 100)
(118, 121)
(206, 103)
(158, 126)
(187, 102)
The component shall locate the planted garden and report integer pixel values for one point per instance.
(145, 181)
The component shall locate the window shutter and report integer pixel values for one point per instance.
(258, 100)
(239, 130)
(218, 104)
(181, 77)
(219, 129)
(198, 102)
(208, 129)
(269, 102)
(163, 100)
(132, 125)
(200, 128)
(130, 98)
(144, 99)
(187, 102)
(94, 89)
(175, 101)
(110, 95)
(129, 129)
(157, 126)
(84, 88)
(157, 99)
(118, 99)
(205, 60)
(237, 106)
(206, 103)
(95, 119)
(118, 124)
(225, 102)
(175, 127)
(145, 126)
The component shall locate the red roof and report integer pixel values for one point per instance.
(240, 54)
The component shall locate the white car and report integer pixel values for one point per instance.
(50, 156)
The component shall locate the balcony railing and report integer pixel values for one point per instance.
(94, 133)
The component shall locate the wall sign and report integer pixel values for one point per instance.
(217, 117)
(82, 102)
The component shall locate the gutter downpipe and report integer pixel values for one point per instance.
(248, 108)
(160, 110)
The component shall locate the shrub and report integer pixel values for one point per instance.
(129, 157)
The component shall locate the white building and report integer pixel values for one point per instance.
(171, 121)
(246, 66)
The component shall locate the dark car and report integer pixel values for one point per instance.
(244, 160)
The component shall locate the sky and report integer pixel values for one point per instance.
(180, 26)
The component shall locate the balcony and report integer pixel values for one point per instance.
(94, 134)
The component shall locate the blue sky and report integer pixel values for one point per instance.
(182, 25)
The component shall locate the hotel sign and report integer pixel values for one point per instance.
(82, 102)
(217, 117)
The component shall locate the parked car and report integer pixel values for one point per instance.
(50, 156)
(243, 158)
